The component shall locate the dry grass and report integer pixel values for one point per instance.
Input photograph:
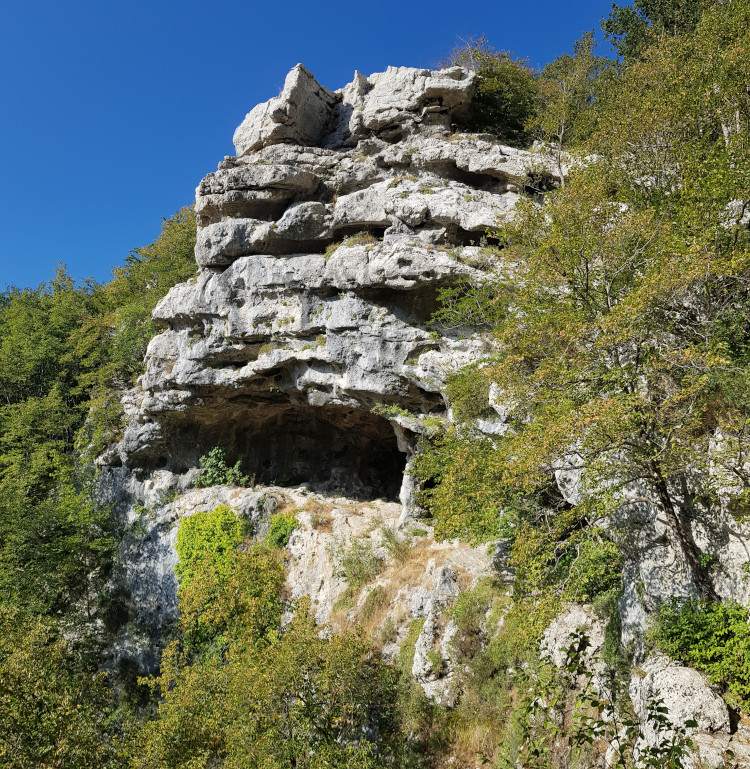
(321, 518)
(407, 572)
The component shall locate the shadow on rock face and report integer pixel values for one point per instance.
(335, 449)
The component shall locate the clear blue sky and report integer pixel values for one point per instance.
(113, 111)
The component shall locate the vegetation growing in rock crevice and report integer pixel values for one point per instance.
(281, 527)
(216, 472)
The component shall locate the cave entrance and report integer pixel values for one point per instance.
(334, 448)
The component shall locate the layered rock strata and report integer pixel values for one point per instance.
(305, 341)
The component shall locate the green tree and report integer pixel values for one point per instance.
(225, 591)
(50, 715)
(112, 343)
(506, 91)
(614, 356)
(567, 93)
(64, 352)
(630, 28)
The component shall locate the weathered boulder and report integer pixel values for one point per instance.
(688, 699)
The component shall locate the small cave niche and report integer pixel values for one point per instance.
(240, 207)
(333, 448)
(479, 181)
(392, 134)
(414, 306)
(350, 230)
(458, 236)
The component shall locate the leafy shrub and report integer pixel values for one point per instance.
(224, 590)
(282, 526)
(461, 488)
(232, 595)
(302, 700)
(506, 91)
(216, 471)
(205, 535)
(714, 638)
(595, 569)
(390, 410)
(358, 563)
(51, 714)
(469, 394)
(388, 633)
(409, 646)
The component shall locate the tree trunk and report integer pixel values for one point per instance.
(684, 537)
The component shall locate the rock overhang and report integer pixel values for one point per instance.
(322, 250)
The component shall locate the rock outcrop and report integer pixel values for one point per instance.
(305, 341)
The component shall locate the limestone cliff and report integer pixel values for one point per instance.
(304, 343)
(322, 248)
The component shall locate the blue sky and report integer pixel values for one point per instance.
(112, 112)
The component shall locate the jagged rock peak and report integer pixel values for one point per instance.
(308, 114)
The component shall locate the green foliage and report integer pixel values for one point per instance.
(567, 94)
(595, 568)
(595, 721)
(409, 646)
(236, 690)
(301, 701)
(116, 339)
(50, 714)
(630, 28)
(216, 471)
(64, 349)
(593, 284)
(470, 613)
(460, 489)
(205, 535)
(714, 638)
(224, 590)
(506, 92)
(390, 410)
(358, 563)
(232, 595)
(469, 394)
(281, 527)
(468, 304)
(613, 653)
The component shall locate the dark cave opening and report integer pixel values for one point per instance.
(414, 306)
(336, 449)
